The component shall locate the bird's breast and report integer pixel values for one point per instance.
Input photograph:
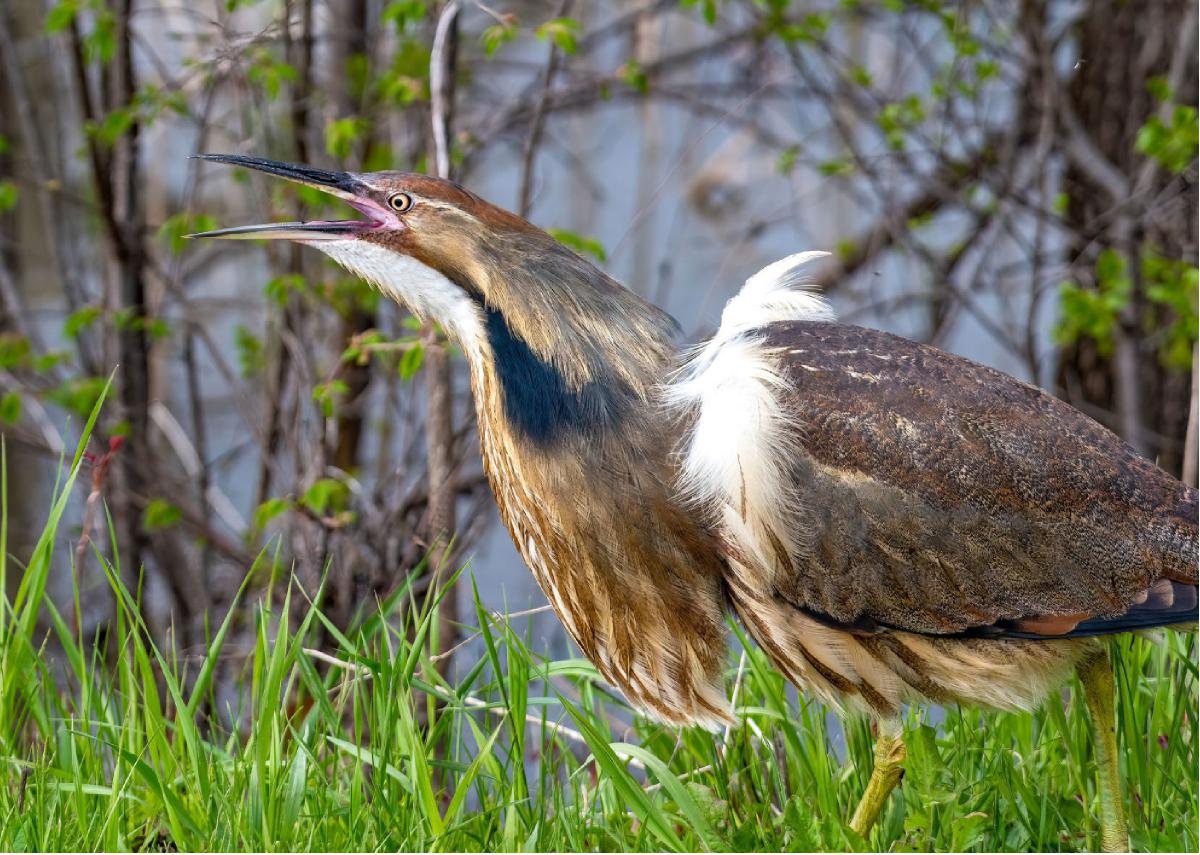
(640, 602)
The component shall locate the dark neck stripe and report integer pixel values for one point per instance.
(539, 402)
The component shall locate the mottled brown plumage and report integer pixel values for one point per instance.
(889, 521)
(933, 499)
(635, 582)
(942, 495)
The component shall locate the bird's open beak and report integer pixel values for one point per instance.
(344, 185)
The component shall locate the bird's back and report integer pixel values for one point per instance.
(1023, 505)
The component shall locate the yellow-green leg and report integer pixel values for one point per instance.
(1096, 676)
(889, 769)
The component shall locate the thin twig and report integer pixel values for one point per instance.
(1190, 452)
(535, 125)
(363, 673)
(99, 477)
(439, 81)
(439, 410)
(446, 654)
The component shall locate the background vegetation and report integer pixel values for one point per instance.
(1014, 180)
(123, 745)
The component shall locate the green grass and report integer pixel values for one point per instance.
(365, 746)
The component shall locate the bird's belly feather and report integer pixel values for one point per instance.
(874, 673)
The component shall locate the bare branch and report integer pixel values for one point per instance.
(1192, 436)
(441, 82)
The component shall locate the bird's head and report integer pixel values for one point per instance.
(565, 340)
(421, 240)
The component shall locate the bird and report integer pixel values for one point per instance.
(891, 523)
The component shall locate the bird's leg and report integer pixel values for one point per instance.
(885, 776)
(1096, 676)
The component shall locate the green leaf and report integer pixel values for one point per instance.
(281, 287)
(400, 89)
(175, 229)
(579, 243)
(114, 126)
(10, 407)
(8, 196)
(404, 14)
(80, 319)
(986, 69)
(860, 75)
(79, 395)
(100, 44)
(61, 15)
(250, 351)
(124, 319)
(411, 360)
(708, 9)
(1172, 285)
(358, 75)
(45, 361)
(1160, 88)
(341, 134)
(897, 119)
(326, 495)
(844, 166)
(498, 34)
(268, 510)
(269, 73)
(563, 32)
(1173, 143)
(325, 395)
(358, 351)
(810, 28)
(160, 514)
(370, 759)
(156, 328)
(785, 163)
(633, 75)
(14, 350)
(1093, 312)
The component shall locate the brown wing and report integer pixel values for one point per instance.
(942, 496)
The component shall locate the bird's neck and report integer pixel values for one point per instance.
(578, 452)
(556, 404)
(569, 373)
(576, 357)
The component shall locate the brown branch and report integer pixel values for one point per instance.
(99, 478)
(439, 415)
(535, 125)
(55, 224)
(938, 190)
(1191, 437)
(441, 85)
(597, 88)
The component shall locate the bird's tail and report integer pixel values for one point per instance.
(1167, 603)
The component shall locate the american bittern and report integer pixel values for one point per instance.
(890, 522)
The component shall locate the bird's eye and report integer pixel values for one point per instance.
(400, 202)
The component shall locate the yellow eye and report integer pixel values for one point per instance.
(400, 202)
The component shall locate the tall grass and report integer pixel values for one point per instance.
(364, 745)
